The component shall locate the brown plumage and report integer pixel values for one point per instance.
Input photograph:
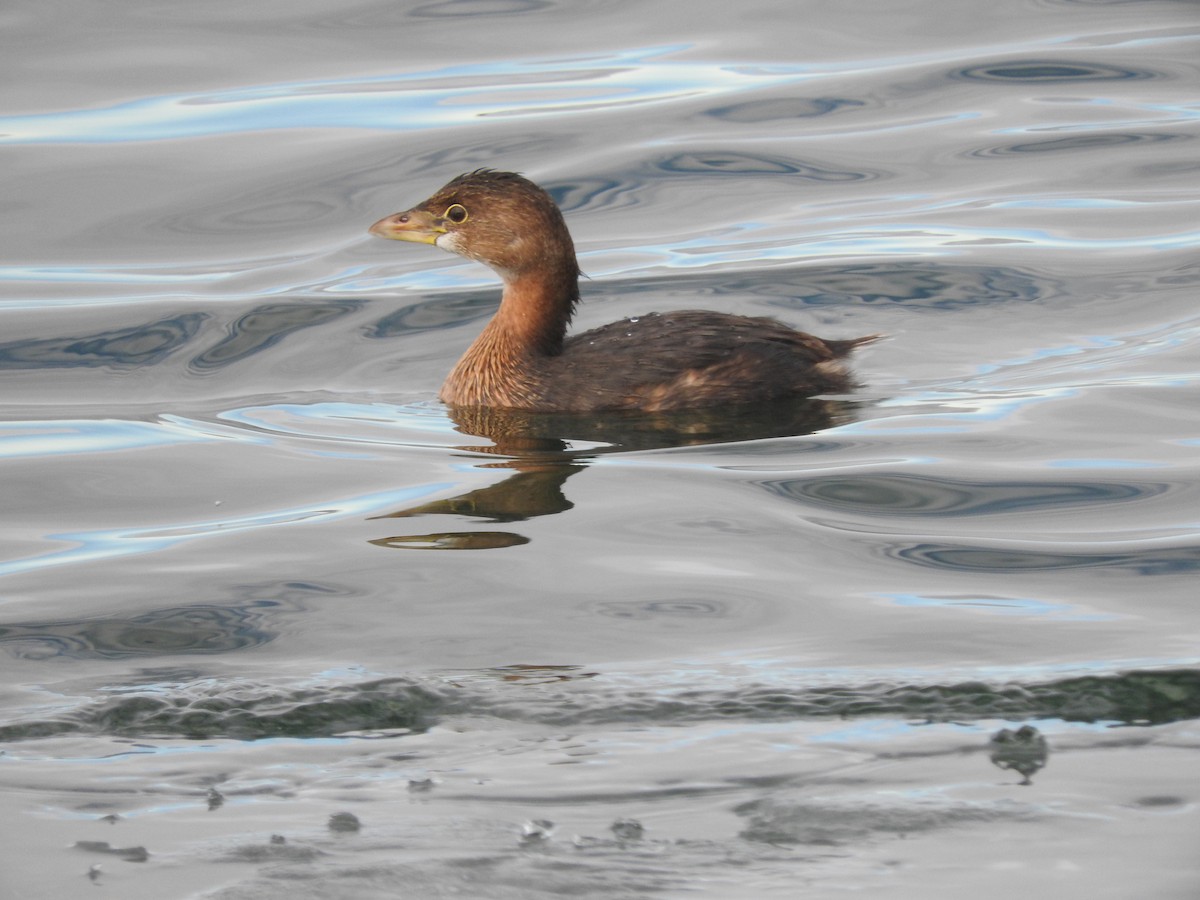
(523, 360)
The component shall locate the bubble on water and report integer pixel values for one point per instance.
(628, 829)
(535, 831)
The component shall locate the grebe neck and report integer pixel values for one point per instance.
(531, 323)
(534, 311)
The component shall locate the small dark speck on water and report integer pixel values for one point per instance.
(344, 822)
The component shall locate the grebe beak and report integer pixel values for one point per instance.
(415, 225)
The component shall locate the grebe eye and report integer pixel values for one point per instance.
(456, 213)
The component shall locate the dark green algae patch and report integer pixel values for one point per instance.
(212, 710)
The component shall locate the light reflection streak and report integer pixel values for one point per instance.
(263, 425)
(67, 436)
(1003, 606)
(313, 420)
(448, 96)
(400, 102)
(106, 544)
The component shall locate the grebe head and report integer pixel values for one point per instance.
(500, 219)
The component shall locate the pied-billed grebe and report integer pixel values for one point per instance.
(523, 360)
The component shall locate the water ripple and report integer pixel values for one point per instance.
(121, 348)
(916, 495)
(407, 102)
(1050, 71)
(359, 424)
(165, 632)
(453, 9)
(1078, 143)
(102, 544)
(460, 94)
(1123, 557)
(781, 109)
(728, 162)
(433, 315)
(265, 326)
(249, 620)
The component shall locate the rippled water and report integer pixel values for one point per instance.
(255, 576)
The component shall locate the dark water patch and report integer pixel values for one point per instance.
(920, 285)
(447, 311)
(118, 348)
(684, 608)
(1185, 275)
(245, 711)
(1135, 698)
(1078, 143)
(201, 628)
(1050, 71)
(538, 674)
(275, 850)
(129, 854)
(593, 193)
(453, 9)
(908, 495)
(781, 109)
(916, 285)
(851, 821)
(1172, 169)
(1160, 802)
(265, 326)
(964, 558)
(730, 162)
(163, 632)
(926, 286)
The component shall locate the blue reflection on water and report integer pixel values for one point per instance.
(372, 423)
(63, 436)
(144, 274)
(440, 97)
(1004, 606)
(90, 546)
(904, 239)
(418, 100)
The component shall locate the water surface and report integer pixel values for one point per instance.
(254, 575)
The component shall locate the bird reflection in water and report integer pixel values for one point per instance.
(541, 450)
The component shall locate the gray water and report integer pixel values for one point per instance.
(254, 576)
